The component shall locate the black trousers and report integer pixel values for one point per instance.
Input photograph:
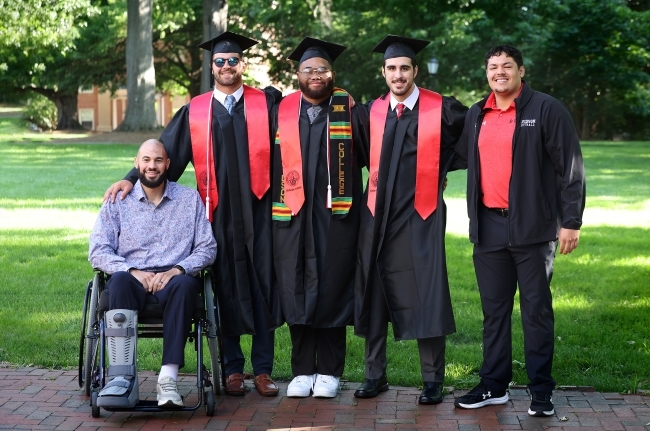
(263, 342)
(431, 350)
(178, 300)
(317, 350)
(499, 269)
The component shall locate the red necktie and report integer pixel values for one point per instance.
(400, 109)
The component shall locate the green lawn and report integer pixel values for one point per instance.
(50, 194)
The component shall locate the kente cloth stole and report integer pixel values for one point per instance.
(290, 195)
(259, 151)
(428, 153)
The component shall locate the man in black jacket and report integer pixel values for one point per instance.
(525, 194)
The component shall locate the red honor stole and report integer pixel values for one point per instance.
(428, 157)
(259, 151)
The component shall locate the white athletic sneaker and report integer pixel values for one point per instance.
(326, 386)
(168, 393)
(301, 386)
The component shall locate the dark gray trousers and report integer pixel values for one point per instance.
(432, 350)
(178, 300)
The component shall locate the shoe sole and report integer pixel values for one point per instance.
(488, 402)
(366, 395)
(296, 394)
(170, 404)
(541, 413)
(429, 401)
(325, 394)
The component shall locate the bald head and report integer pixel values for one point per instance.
(152, 163)
(152, 145)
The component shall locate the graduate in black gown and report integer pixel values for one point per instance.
(403, 274)
(234, 120)
(317, 189)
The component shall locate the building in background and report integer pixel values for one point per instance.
(101, 112)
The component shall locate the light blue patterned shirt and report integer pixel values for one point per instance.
(135, 233)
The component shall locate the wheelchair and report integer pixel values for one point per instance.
(92, 344)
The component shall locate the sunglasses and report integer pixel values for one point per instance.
(221, 62)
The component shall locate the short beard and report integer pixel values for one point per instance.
(152, 184)
(401, 92)
(323, 93)
(234, 79)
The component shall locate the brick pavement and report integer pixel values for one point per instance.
(39, 399)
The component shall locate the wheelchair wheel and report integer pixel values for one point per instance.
(82, 338)
(94, 408)
(213, 343)
(92, 340)
(208, 398)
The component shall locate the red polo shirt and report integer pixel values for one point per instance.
(495, 152)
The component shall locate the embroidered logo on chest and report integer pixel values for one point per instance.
(528, 123)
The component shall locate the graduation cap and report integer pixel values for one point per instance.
(397, 46)
(228, 42)
(310, 48)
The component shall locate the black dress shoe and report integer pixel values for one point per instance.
(370, 388)
(431, 394)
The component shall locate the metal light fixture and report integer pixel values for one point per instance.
(432, 65)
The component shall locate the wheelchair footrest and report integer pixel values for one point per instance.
(145, 406)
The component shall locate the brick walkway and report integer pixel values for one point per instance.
(37, 399)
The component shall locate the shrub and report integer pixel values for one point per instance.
(41, 112)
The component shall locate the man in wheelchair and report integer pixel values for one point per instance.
(151, 243)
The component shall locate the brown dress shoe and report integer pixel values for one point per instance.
(265, 385)
(235, 385)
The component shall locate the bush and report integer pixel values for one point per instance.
(41, 112)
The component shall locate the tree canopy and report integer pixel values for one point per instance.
(591, 54)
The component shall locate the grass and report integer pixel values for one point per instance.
(602, 306)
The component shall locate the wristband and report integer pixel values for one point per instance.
(180, 268)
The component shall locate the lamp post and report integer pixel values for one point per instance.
(432, 66)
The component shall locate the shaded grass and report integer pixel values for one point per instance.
(64, 176)
(617, 175)
(600, 291)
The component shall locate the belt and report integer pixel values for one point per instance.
(503, 212)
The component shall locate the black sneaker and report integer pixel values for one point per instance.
(481, 396)
(541, 404)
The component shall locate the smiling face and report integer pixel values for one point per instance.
(316, 88)
(503, 75)
(228, 78)
(399, 73)
(152, 164)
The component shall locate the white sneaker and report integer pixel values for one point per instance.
(326, 386)
(168, 393)
(301, 386)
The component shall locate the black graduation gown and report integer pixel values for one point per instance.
(241, 222)
(315, 252)
(407, 253)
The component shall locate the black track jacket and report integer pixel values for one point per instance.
(547, 185)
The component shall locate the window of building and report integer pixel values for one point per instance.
(87, 118)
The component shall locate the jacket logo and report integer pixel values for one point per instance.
(527, 123)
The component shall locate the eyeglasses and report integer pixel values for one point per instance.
(221, 62)
(321, 71)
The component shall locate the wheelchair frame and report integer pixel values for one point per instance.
(92, 344)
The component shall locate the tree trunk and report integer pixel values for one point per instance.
(325, 13)
(585, 126)
(67, 115)
(140, 74)
(215, 22)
